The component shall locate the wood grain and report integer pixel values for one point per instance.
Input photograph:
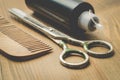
(48, 67)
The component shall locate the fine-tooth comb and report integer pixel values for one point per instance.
(19, 45)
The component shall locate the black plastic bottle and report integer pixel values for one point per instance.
(72, 14)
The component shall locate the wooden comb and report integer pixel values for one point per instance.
(19, 45)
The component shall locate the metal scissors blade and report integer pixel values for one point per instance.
(49, 31)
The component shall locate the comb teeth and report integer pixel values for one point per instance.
(24, 39)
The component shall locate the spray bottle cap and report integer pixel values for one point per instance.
(88, 21)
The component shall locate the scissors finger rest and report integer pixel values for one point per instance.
(98, 43)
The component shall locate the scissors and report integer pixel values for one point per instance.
(61, 39)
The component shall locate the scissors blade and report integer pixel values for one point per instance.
(48, 31)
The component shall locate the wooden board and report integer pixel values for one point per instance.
(48, 67)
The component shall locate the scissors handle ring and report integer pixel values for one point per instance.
(69, 52)
(98, 43)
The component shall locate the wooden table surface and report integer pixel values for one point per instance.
(48, 67)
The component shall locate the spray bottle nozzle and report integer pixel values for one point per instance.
(99, 26)
(89, 21)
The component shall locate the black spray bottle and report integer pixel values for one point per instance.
(74, 15)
